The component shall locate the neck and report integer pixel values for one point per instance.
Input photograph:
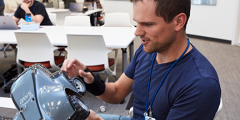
(32, 3)
(174, 51)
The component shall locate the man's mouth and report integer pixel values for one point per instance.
(145, 40)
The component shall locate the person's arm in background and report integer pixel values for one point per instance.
(16, 16)
(36, 18)
(99, 6)
(16, 20)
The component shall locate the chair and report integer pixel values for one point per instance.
(77, 21)
(52, 17)
(117, 20)
(36, 48)
(12, 5)
(60, 17)
(120, 20)
(116, 6)
(92, 51)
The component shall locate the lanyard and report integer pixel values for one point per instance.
(149, 107)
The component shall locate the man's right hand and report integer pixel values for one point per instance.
(93, 116)
(74, 68)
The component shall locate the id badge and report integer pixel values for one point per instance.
(149, 118)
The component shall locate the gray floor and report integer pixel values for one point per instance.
(224, 57)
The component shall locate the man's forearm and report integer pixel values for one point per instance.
(117, 91)
(16, 20)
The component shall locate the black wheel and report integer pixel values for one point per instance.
(78, 84)
(81, 110)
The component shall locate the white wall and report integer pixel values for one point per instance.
(214, 21)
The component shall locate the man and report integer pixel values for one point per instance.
(169, 77)
(92, 16)
(37, 11)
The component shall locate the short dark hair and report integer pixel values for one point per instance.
(168, 9)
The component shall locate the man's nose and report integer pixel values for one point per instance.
(139, 30)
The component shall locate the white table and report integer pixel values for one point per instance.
(115, 37)
(7, 108)
(61, 13)
(89, 12)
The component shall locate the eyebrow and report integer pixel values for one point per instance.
(144, 22)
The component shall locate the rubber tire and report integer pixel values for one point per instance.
(80, 112)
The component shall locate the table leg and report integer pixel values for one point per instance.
(124, 59)
(131, 50)
(95, 19)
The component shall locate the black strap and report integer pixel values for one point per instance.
(97, 87)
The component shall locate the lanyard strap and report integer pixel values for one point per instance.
(147, 108)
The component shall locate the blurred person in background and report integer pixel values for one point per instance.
(67, 3)
(36, 9)
(98, 14)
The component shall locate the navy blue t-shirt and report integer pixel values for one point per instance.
(191, 91)
(37, 9)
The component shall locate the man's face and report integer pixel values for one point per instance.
(155, 33)
(30, 2)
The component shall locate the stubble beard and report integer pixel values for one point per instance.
(160, 47)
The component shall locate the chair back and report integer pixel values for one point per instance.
(88, 49)
(33, 47)
(117, 20)
(52, 17)
(77, 21)
(60, 17)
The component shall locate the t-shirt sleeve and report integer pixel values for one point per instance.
(17, 12)
(40, 10)
(129, 72)
(198, 100)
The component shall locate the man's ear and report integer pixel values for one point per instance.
(180, 21)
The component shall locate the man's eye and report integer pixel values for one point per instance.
(147, 24)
